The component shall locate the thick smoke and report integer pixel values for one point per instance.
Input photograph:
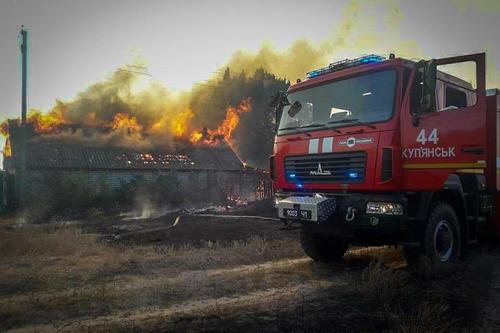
(131, 110)
(122, 114)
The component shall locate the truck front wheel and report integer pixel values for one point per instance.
(441, 244)
(321, 247)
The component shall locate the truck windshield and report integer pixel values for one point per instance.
(366, 98)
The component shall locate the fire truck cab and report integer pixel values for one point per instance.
(376, 151)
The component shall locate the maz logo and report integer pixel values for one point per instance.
(320, 172)
(351, 142)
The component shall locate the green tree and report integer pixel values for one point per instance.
(255, 133)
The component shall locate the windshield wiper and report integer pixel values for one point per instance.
(312, 125)
(351, 120)
(298, 128)
(321, 125)
(301, 128)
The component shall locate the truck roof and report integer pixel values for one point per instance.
(327, 76)
(363, 67)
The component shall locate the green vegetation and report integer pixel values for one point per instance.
(76, 195)
(255, 132)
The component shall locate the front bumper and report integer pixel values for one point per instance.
(349, 214)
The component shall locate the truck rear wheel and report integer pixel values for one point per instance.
(441, 244)
(321, 247)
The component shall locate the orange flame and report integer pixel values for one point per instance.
(127, 122)
(232, 119)
(179, 125)
(46, 122)
(7, 149)
(226, 129)
(195, 136)
(4, 129)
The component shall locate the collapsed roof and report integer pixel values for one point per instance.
(51, 154)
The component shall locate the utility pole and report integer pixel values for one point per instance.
(24, 105)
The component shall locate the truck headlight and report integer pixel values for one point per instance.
(385, 208)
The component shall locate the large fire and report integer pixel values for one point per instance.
(225, 129)
(178, 125)
(4, 130)
(7, 150)
(46, 122)
(127, 122)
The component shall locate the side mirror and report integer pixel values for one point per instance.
(294, 109)
(428, 70)
(278, 101)
(428, 100)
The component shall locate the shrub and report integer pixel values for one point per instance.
(65, 194)
(73, 195)
(95, 213)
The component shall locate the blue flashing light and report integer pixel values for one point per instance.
(372, 59)
(342, 64)
(300, 185)
(318, 72)
(353, 175)
(292, 175)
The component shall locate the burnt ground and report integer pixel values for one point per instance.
(195, 227)
(219, 274)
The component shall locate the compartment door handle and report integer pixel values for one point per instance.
(473, 150)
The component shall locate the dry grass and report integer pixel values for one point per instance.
(379, 281)
(390, 256)
(51, 275)
(46, 241)
(398, 295)
(63, 278)
(429, 316)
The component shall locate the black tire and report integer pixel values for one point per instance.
(441, 245)
(322, 248)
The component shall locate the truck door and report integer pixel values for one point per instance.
(451, 135)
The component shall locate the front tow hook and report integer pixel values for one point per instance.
(351, 214)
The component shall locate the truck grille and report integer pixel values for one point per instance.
(348, 167)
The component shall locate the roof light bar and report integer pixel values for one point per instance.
(342, 64)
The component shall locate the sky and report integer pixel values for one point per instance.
(74, 43)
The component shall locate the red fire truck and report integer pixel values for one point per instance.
(375, 151)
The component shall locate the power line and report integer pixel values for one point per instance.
(136, 70)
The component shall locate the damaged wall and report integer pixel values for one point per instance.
(195, 174)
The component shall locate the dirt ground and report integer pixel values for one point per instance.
(220, 274)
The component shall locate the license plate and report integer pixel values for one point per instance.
(297, 214)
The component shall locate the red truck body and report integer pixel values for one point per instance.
(450, 155)
(493, 107)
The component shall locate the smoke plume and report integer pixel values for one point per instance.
(128, 109)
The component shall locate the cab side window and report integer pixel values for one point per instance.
(451, 93)
(455, 98)
(456, 86)
(451, 97)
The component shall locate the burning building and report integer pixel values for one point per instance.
(205, 166)
(114, 133)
